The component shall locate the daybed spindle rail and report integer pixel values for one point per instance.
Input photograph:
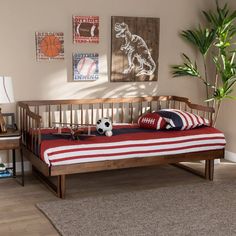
(34, 115)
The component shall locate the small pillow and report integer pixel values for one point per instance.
(152, 121)
(182, 120)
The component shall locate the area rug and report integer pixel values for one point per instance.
(198, 209)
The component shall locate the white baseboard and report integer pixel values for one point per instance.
(216, 161)
(27, 166)
(230, 156)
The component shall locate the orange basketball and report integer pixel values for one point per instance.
(50, 46)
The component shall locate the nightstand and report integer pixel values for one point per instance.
(11, 140)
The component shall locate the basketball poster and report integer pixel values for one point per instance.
(85, 29)
(49, 46)
(85, 66)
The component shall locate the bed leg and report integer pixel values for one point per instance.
(61, 186)
(207, 163)
(209, 169)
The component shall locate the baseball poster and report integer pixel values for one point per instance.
(85, 29)
(49, 46)
(85, 66)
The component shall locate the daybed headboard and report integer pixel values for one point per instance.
(47, 113)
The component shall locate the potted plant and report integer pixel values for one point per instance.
(215, 42)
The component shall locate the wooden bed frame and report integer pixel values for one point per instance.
(33, 115)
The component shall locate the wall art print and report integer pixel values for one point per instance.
(49, 45)
(85, 29)
(85, 66)
(134, 49)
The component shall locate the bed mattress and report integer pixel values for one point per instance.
(128, 141)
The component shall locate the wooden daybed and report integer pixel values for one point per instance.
(34, 115)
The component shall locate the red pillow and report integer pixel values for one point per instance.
(152, 121)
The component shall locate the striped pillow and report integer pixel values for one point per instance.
(152, 121)
(182, 120)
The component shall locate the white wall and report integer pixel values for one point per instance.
(52, 80)
(19, 20)
(226, 121)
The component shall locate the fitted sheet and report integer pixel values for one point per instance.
(128, 141)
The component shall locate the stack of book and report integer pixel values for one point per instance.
(3, 171)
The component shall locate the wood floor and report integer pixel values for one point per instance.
(19, 215)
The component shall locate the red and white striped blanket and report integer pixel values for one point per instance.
(128, 141)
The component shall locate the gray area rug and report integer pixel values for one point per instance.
(199, 209)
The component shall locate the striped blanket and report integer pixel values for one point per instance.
(128, 141)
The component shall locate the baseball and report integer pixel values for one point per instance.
(86, 66)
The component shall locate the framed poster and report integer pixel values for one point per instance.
(49, 46)
(134, 49)
(85, 29)
(85, 66)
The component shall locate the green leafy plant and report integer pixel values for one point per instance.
(214, 41)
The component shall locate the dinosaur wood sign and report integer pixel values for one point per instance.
(134, 49)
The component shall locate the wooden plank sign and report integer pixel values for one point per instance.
(134, 49)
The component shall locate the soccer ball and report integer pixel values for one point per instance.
(104, 125)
